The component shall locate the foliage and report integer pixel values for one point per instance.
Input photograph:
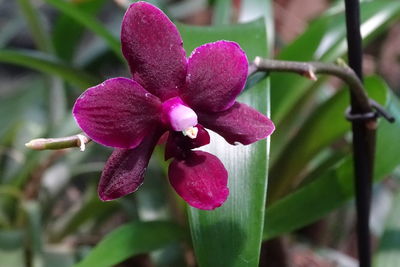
(48, 200)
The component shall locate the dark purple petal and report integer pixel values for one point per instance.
(216, 75)
(239, 124)
(201, 180)
(124, 170)
(179, 145)
(154, 49)
(117, 113)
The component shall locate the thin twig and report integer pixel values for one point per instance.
(79, 140)
(311, 69)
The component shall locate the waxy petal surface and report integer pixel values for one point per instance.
(117, 113)
(154, 50)
(201, 180)
(217, 73)
(239, 124)
(125, 169)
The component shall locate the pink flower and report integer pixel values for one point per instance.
(169, 92)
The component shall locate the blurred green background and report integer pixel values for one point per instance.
(50, 214)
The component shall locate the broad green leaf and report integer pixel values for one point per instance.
(325, 125)
(90, 210)
(48, 64)
(13, 258)
(67, 31)
(325, 40)
(11, 239)
(231, 235)
(89, 22)
(388, 253)
(251, 10)
(35, 231)
(335, 187)
(129, 240)
(37, 27)
(222, 12)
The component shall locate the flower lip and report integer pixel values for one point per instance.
(177, 115)
(178, 146)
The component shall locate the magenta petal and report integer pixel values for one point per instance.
(154, 50)
(216, 75)
(239, 124)
(201, 180)
(117, 113)
(124, 170)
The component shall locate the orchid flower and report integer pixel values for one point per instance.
(169, 93)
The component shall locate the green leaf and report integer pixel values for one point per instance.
(324, 40)
(388, 253)
(11, 239)
(335, 187)
(238, 223)
(68, 32)
(325, 125)
(37, 28)
(13, 258)
(254, 9)
(89, 211)
(222, 12)
(48, 64)
(129, 240)
(89, 22)
(35, 231)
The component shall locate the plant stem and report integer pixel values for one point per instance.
(364, 138)
(364, 130)
(310, 69)
(307, 69)
(78, 140)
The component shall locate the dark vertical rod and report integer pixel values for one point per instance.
(363, 139)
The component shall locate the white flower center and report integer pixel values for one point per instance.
(191, 132)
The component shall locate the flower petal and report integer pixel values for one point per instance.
(239, 124)
(201, 180)
(117, 113)
(124, 170)
(217, 73)
(154, 50)
(179, 145)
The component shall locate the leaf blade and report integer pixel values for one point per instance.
(129, 240)
(45, 63)
(335, 187)
(89, 22)
(238, 223)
